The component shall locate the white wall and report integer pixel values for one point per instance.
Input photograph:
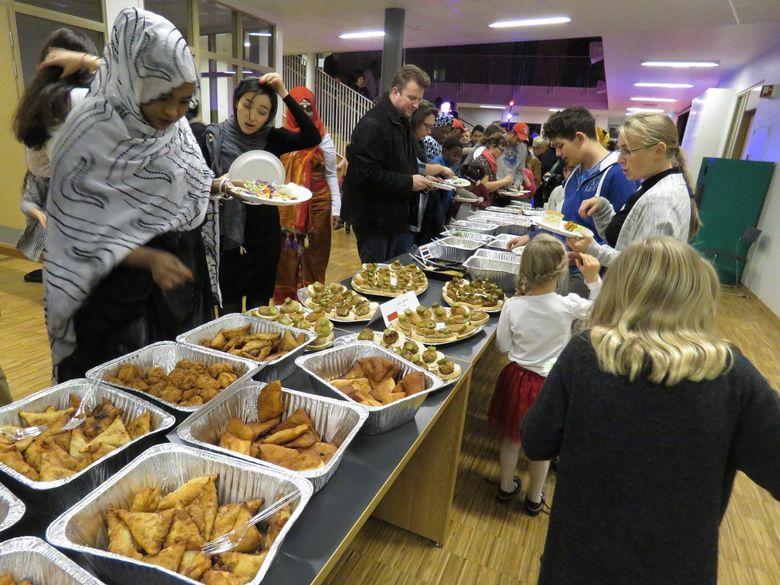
(761, 274)
(114, 7)
(473, 114)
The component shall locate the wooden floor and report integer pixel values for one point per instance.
(490, 543)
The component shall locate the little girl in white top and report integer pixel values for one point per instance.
(533, 329)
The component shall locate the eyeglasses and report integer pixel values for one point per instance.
(306, 106)
(627, 152)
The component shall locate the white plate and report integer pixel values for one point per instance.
(457, 182)
(301, 194)
(534, 211)
(556, 226)
(513, 193)
(257, 165)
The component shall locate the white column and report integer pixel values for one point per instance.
(114, 7)
(279, 67)
(311, 68)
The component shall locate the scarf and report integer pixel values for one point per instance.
(117, 182)
(226, 142)
(298, 165)
(491, 160)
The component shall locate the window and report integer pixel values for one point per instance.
(217, 82)
(177, 11)
(258, 41)
(34, 32)
(217, 25)
(90, 9)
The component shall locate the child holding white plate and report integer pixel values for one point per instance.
(533, 329)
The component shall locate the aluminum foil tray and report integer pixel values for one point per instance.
(504, 256)
(46, 499)
(277, 369)
(474, 226)
(336, 422)
(504, 274)
(508, 210)
(461, 233)
(454, 248)
(82, 528)
(11, 509)
(166, 354)
(501, 242)
(337, 361)
(31, 558)
(516, 226)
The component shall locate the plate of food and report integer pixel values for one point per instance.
(437, 325)
(337, 302)
(449, 184)
(412, 351)
(265, 193)
(257, 165)
(560, 227)
(521, 194)
(479, 295)
(293, 314)
(390, 280)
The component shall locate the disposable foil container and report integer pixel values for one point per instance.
(276, 369)
(504, 274)
(474, 226)
(505, 256)
(11, 509)
(460, 233)
(336, 422)
(516, 226)
(501, 241)
(454, 248)
(31, 558)
(337, 361)
(46, 499)
(505, 210)
(82, 528)
(165, 355)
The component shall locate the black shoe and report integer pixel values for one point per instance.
(534, 508)
(34, 276)
(554, 464)
(507, 496)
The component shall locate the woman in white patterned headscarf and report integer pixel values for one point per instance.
(127, 262)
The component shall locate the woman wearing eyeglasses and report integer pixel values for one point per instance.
(250, 235)
(306, 228)
(648, 149)
(487, 162)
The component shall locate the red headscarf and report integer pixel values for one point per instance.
(299, 94)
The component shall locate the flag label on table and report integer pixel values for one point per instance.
(395, 307)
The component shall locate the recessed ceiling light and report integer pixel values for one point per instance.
(493, 107)
(554, 109)
(680, 64)
(363, 34)
(259, 34)
(652, 110)
(654, 99)
(664, 85)
(531, 22)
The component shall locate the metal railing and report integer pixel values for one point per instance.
(294, 70)
(340, 108)
(514, 70)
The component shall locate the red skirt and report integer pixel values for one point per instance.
(516, 390)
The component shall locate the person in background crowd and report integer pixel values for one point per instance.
(533, 329)
(251, 235)
(306, 228)
(489, 131)
(476, 135)
(452, 154)
(648, 149)
(373, 80)
(383, 176)
(533, 163)
(129, 186)
(421, 225)
(198, 128)
(652, 413)
(40, 114)
(555, 201)
(360, 85)
(572, 132)
(488, 162)
(458, 130)
(442, 128)
(544, 153)
(331, 66)
(512, 161)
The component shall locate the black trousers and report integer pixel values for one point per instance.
(251, 274)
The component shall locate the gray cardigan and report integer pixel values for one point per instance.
(665, 210)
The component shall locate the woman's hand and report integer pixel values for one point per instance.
(39, 216)
(518, 242)
(420, 183)
(70, 61)
(276, 82)
(581, 244)
(590, 206)
(589, 267)
(167, 270)
(508, 181)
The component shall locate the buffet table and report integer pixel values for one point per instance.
(405, 477)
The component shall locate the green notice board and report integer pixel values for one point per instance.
(730, 194)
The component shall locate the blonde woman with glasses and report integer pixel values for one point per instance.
(648, 149)
(652, 413)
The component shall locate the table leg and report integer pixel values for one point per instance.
(421, 497)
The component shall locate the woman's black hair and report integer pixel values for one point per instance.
(450, 143)
(253, 85)
(46, 101)
(473, 172)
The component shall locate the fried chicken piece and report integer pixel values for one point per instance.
(242, 565)
(168, 558)
(183, 530)
(212, 577)
(225, 379)
(355, 372)
(172, 394)
(250, 431)
(276, 454)
(299, 417)
(187, 492)
(229, 441)
(148, 528)
(413, 383)
(364, 398)
(275, 525)
(395, 396)
(155, 374)
(140, 425)
(269, 401)
(128, 373)
(377, 368)
(206, 382)
(220, 368)
(194, 564)
(206, 394)
(120, 540)
(306, 440)
(305, 460)
(383, 390)
(326, 451)
(285, 436)
(146, 500)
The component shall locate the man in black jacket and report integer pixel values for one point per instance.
(384, 176)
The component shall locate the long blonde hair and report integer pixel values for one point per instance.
(543, 259)
(645, 130)
(656, 315)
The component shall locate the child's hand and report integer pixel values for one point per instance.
(589, 267)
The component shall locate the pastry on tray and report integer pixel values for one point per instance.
(339, 303)
(437, 325)
(480, 295)
(390, 280)
(293, 314)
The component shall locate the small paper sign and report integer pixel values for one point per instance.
(395, 307)
(441, 326)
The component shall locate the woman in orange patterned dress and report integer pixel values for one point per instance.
(306, 228)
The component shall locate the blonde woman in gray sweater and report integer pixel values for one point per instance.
(649, 149)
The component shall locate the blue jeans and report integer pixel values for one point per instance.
(381, 247)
